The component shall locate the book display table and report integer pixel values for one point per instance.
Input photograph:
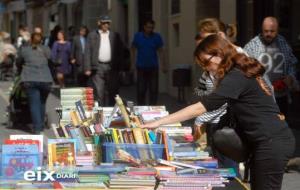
(104, 148)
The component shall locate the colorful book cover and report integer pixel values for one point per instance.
(62, 140)
(40, 138)
(77, 134)
(22, 142)
(63, 154)
(17, 159)
(80, 110)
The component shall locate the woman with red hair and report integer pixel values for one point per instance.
(240, 84)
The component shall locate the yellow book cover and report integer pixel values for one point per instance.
(146, 134)
(138, 135)
(74, 118)
(63, 154)
(50, 155)
(115, 136)
(123, 110)
(120, 136)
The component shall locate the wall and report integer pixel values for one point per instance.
(92, 10)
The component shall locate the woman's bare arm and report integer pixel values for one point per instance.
(184, 114)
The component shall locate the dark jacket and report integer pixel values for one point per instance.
(92, 51)
(77, 52)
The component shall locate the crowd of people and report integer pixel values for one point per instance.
(87, 59)
(255, 82)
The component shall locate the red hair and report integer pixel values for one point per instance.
(215, 45)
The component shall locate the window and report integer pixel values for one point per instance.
(175, 7)
(176, 35)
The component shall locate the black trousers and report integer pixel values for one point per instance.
(269, 161)
(147, 80)
(105, 83)
(283, 104)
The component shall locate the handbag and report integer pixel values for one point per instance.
(228, 140)
(57, 62)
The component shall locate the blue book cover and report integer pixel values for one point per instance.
(17, 159)
(76, 134)
(80, 110)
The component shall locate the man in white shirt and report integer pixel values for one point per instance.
(103, 61)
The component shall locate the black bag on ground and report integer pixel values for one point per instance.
(229, 141)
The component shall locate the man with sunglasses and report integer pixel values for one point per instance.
(103, 61)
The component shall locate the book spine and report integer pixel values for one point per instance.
(119, 102)
(115, 136)
(80, 110)
(74, 118)
(138, 135)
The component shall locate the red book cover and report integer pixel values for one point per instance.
(88, 90)
(57, 185)
(22, 141)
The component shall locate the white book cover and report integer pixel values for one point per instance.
(40, 138)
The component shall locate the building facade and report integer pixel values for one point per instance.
(176, 21)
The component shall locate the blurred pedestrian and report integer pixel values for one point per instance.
(53, 35)
(8, 54)
(272, 50)
(39, 30)
(147, 53)
(60, 56)
(71, 33)
(24, 36)
(36, 79)
(77, 56)
(103, 61)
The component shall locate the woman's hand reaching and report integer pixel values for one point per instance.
(151, 125)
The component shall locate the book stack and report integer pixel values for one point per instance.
(171, 180)
(95, 177)
(124, 181)
(178, 134)
(69, 96)
(189, 151)
(85, 159)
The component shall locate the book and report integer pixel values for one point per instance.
(18, 158)
(74, 118)
(54, 129)
(62, 140)
(23, 142)
(77, 134)
(149, 116)
(138, 135)
(62, 154)
(40, 138)
(165, 142)
(123, 110)
(80, 110)
(115, 136)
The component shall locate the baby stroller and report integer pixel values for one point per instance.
(18, 109)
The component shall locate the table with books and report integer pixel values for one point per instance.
(104, 148)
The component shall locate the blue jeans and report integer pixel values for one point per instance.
(37, 93)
